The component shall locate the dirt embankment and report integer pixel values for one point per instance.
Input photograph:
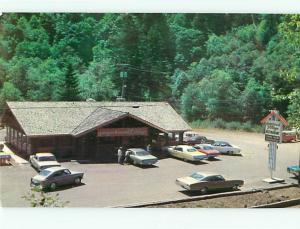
(241, 201)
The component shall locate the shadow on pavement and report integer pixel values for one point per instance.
(198, 193)
(62, 188)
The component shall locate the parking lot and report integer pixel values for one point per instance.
(106, 185)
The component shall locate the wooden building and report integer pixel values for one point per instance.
(89, 129)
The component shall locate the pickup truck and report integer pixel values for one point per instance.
(293, 169)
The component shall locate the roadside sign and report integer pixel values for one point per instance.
(273, 131)
(273, 134)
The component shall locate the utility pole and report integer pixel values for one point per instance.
(123, 76)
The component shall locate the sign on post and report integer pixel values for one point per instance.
(273, 134)
(273, 131)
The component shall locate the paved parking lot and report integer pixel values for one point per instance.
(112, 184)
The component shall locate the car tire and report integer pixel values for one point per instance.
(77, 181)
(52, 186)
(235, 187)
(204, 190)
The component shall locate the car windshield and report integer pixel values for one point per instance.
(197, 176)
(44, 173)
(47, 158)
(141, 153)
(190, 150)
(207, 147)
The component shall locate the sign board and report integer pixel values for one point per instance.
(273, 131)
(119, 132)
(272, 156)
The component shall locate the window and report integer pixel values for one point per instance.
(66, 172)
(178, 149)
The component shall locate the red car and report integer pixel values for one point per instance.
(208, 150)
(289, 136)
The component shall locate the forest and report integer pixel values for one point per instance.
(230, 67)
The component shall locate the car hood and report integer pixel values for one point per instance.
(187, 180)
(195, 153)
(39, 178)
(48, 163)
(148, 157)
(211, 151)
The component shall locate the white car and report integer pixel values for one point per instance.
(226, 148)
(42, 161)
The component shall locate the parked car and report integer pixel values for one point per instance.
(141, 157)
(192, 138)
(208, 150)
(187, 153)
(205, 182)
(289, 136)
(42, 161)
(53, 177)
(293, 169)
(226, 148)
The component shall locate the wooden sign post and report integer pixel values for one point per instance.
(273, 134)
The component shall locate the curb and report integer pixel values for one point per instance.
(281, 204)
(205, 197)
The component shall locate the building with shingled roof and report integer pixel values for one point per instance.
(89, 129)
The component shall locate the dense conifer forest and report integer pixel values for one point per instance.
(233, 67)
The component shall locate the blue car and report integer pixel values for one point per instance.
(293, 169)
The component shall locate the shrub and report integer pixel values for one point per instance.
(234, 126)
(247, 126)
(219, 123)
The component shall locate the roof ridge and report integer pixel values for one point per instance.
(94, 111)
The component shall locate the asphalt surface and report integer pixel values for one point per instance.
(107, 185)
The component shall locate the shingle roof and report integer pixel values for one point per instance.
(57, 118)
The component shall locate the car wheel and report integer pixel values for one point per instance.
(52, 186)
(235, 187)
(204, 190)
(77, 180)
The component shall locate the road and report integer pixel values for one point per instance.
(107, 185)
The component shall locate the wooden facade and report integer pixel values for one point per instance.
(88, 144)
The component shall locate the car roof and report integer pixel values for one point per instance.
(208, 174)
(136, 149)
(185, 146)
(222, 142)
(204, 145)
(55, 169)
(44, 154)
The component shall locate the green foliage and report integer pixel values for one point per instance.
(220, 124)
(232, 67)
(10, 92)
(96, 82)
(38, 198)
(70, 88)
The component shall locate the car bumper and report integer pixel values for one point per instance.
(147, 162)
(183, 185)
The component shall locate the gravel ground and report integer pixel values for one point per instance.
(241, 201)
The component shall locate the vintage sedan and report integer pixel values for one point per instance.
(208, 150)
(42, 161)
(53, 177)
(140, 156)
(293, 169)
(191, 138)
(205, 182)
(226, 148)
(187, 153)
